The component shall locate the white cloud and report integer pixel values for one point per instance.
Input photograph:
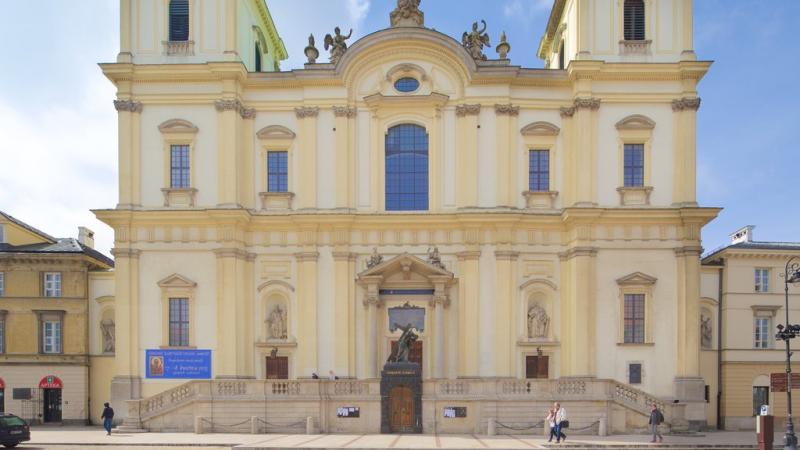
(358, 9)
(525, 9)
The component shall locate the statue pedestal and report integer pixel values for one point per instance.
(401, 398)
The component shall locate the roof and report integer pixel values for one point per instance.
(24, 225)
(753, 245)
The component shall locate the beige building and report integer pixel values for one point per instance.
(45, 315)
(531, 224)
(743, 284)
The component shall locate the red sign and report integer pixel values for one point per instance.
(2, 384)
(777, 382)
(51, 382)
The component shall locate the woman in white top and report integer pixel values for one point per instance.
(561, 417)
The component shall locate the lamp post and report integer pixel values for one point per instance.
(790, 275)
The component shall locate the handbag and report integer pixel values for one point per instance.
(565, 424)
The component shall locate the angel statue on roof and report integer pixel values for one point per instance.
(337, 44)
(475, 40)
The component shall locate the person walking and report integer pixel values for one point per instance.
(561, 422)
(108, 417)
(551, 420)
(656, 418)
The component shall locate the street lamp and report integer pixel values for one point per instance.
(790, 275)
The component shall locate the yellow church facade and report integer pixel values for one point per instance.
(538, 228)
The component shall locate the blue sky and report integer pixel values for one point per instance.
(58, 127)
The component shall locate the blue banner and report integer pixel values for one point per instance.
(178, 364)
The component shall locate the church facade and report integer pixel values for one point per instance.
(538, 228)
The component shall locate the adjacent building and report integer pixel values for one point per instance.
(743, 290)
(45, 317)
(538, 228)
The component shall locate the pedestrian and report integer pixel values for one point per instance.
(656, 418)
(551, 421)
(108, 417)
(561, 422)
(332, 376)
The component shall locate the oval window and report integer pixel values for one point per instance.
(407, 84)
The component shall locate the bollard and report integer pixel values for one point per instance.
(492, 429)
(198, 425)
(309, 425)
(546, 429)
(602, 429)
(253, 425)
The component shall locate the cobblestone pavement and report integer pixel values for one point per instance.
(73, 438)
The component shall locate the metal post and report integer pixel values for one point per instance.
(789, 275)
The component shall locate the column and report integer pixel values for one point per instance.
(247, 184)
(688, 384)
(126, 384)
(687, 29)
(467, 155)
(469, 312)
(128, 118)
(227, 150)
(578, 315)
(505, 301)
(233, 358)
(344, 312)
(372, 302)
(307, 157)
(584, 147)
(684, 132)
(125, 17)
(506, 151)
(230, 30)
(439, 302)
(345, 156)
(306, 361)
(583, 28)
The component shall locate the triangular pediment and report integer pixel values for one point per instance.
(637, 279)
(177, 281)
(405, 263)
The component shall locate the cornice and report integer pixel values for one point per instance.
(306, 256)
(126, 253)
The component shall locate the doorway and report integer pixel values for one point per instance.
(401, 407)
(52, 405)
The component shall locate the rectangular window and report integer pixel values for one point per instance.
(2, 335)
(539, 170)
(179, 322)
(2, 284)
(762, 280)
(634, 319)
(761, 326)
(179, 166)
(179, 20)
(52, 284)
(760, 397)
(635, 373)
(2, 233)
(51, 336)
(277, 171)
(634, 165)
(634, 20)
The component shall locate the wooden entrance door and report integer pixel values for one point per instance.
(537, 366)
(277, 368)
(401, 409)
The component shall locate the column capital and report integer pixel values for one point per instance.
(306, 111)
(567, 111)
(233, 253)
(468, 255)
(592, 103)
(577, 251)
(468, 110)
(686, 103)
(689, 250)
(344, 256)
(306, 256)
(508, 110)
(247, 113)
(227, 104)
(126, 253)
(128, 106)
(443, 300)
(373, 300)
(344, 111)
(506, 255)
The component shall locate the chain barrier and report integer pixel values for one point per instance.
(538, 424)
(294, 424)
(591, 425)
(215, 426)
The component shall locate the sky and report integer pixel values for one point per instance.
(58, 128)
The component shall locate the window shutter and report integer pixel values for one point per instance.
(634, 20)
(179, 20)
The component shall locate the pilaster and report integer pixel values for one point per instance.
(307, 340)
(467, 155)
(344, 312)
(307, 157)
(584, 149)
(687, 335)
(128, 118)
(234, 313)
(227, 150)
(684, 126)
(578, 312)
(247, 184)
(505, 299)
(345, 156)
(505, 149)
(126, 384)
(469, 312)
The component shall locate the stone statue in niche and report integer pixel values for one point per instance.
(277, 323)
(538, 322)
(705, 331)
(475, 40)
(107, 327)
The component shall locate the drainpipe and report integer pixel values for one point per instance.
(719, 347)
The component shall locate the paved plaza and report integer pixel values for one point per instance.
(68, 438)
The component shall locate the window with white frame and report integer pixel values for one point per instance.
(2, 233)
(761, 330)
(762, 280)
(2, 284)
(634, 318)
(52, 284)
(178, 322)
(51, 336)
(179, 169)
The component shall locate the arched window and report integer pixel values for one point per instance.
(179, 20)
(407, 168)
(634, 20)
(258, 57)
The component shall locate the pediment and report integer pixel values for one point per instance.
(405, 263)
(176, 281)
(636, 122)
(540, 129)
(178, 126)
(275, 132)
(637, 279)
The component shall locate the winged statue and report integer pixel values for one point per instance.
(337, 44)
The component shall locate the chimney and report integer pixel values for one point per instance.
(86, 237)
(744, 234)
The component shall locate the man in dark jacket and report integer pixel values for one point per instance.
(655, 420)
(108, 417)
